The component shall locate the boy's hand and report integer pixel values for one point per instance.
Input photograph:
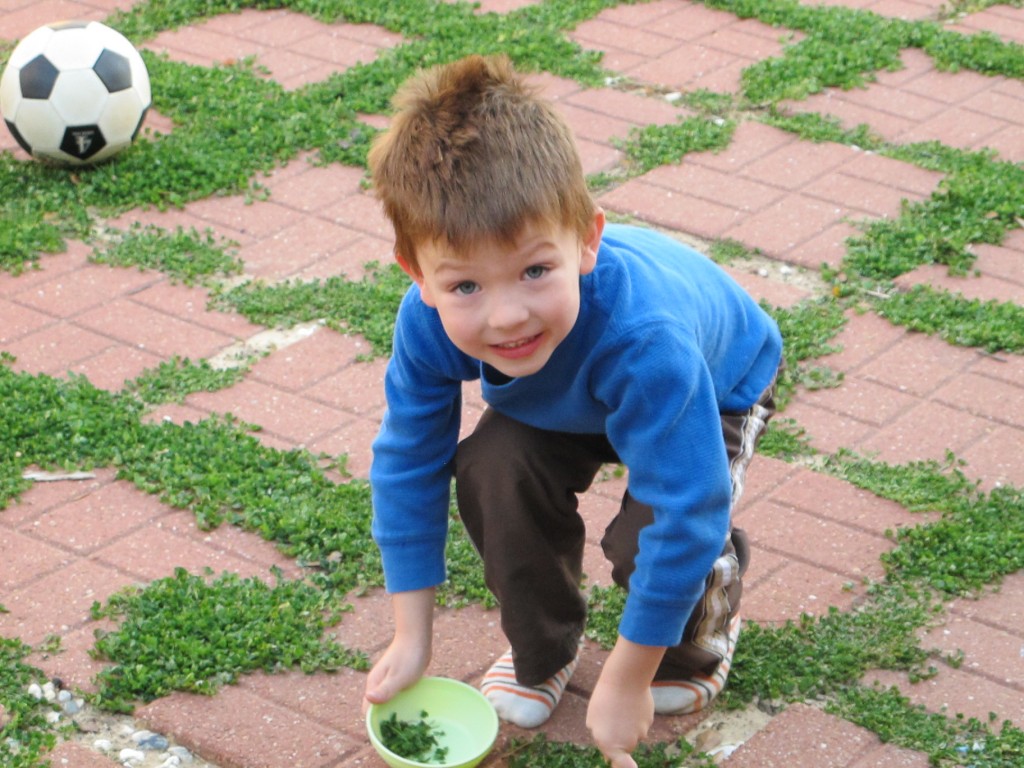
(401, 665)
(621, 707)
(407, 657)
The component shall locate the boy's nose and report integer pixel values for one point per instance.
(505, 313)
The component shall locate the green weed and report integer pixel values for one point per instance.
(188, 633)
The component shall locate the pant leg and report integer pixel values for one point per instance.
(517, 492)
(705, 637)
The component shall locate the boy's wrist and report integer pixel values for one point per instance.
(632, 664)
(414, 612)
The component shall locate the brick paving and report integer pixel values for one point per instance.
(904, 397)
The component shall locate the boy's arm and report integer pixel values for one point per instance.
(621, 707)
(408, 655)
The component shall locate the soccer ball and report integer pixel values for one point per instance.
(74, 92)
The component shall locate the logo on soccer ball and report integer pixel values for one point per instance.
(74, 92)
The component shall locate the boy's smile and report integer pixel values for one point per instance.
(509, 305)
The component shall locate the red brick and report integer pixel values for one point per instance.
(78, 755)
(1007, 144)
(786, 224)
(955, 127)
(750, 141)
(112, 368)
(89, 286)
(828, 247)
(995, 399)
(671, 209)
(313, 358)
(995, 458)
(775, 292)
(15, 25)
(192, 305)
(865, 198)
(1003, 607)
(250, 219)
(362, 212)
(351, 439)
(895, 101)
(850, 551)
(604, 35)
(819, 494)
(889, 756)
(56, 349)
(917, 364)
(59, 601)
(985, 649)
(74, 662)
(238, 728)
(714, 186)
(98, 516)
(269, 28)
(17, 321)
(793, 166)
(826, 430)
(886, 171)
(358, 388)
(686, 68)
(26, 559)
(804, 735)
(852, 114)
(925, 433)
(296, 247)
(955, 692)
(314, 187)
(972, 286)
(153, 331)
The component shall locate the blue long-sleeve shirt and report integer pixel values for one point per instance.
(664, 343)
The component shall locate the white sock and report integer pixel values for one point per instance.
(524, 705)
(683, 697)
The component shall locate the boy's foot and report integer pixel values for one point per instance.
(683, 697)
(524, 705)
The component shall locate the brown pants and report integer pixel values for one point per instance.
(517, 489)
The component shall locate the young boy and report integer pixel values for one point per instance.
(593, 344)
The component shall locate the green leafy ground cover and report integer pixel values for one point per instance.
(231, 125)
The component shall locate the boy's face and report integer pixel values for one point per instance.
(510, 306)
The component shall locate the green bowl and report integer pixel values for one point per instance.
(464, 721)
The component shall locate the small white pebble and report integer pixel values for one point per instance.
(103, 745)
(130, 754)
(35, 691)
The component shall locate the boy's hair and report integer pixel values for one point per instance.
(473, 153)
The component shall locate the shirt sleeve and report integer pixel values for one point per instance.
(665, 425)
(413, 452)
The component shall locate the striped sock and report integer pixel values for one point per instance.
(524, 705)
(683, 697)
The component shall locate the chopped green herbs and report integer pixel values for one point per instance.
(413, 739)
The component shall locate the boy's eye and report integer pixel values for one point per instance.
(465, 288)
(535, 271)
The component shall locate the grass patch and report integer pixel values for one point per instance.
(807, 329)
(189, 633)
(175, 379)
(994, 326)
(188, 257)
(367, 307)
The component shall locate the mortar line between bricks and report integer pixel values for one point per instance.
(795, 558)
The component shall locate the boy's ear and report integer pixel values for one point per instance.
(408, 268)
(592, 242)
(417, 277)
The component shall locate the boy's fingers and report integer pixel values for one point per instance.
(622, 760)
